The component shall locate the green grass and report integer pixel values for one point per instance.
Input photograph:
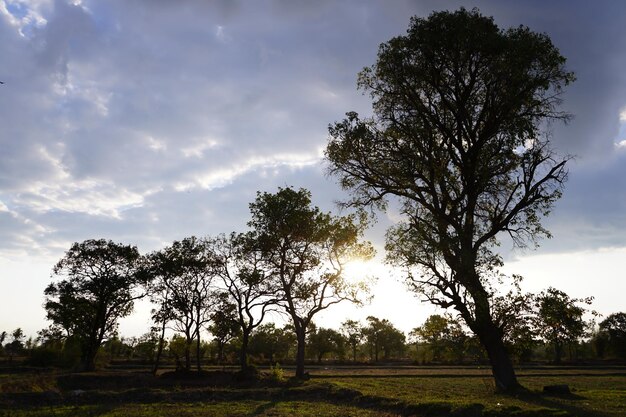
(214, 409)
(371, 392)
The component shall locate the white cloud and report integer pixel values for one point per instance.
(621, 144)
(622, 115)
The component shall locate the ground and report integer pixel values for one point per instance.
(346, 391)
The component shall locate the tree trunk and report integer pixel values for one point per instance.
(353, 353)
(301, 337)
(157, 359)
(501, 364)
(558, 352)
(89, 359)
(243, 353)
(198, 356)
(188, 354)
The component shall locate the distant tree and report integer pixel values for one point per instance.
(224, 323)
(101, 284)
(250, 289)
(16, 346)
(146, 346)
(3, 336)
(444, 337)
(303, 251)
(183, 275)
(515, 312)
(323, 341)
(271, 342)
(559, 320)
(353, 333)
(382, 337)
(615, 327)
(457, 136)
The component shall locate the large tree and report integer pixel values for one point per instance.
(460, 110)
(303, 252)
(101, 283)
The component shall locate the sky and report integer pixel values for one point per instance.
(147, 121)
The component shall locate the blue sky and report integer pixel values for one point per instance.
(146, 121)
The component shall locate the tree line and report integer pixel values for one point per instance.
(540, 336)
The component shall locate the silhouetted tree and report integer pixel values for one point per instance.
(251, 291)
(324, 341)
(382, 336)
(224, 323)
(303, 251)
(559, 320)
(615, 327)
(101, 284)
(444, 336)
(182, 287)
(271, 342)
(353, 333)
(457, 137)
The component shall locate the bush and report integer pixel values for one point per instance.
(277, 374)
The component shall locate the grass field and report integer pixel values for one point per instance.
(342, 391)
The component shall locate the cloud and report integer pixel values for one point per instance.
(115, 112)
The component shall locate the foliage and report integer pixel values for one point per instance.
(559, 320)
(182, 277)
(444, 336)
(302, 251)
(247, 285)
(459, 107)
(224, 323)
(323, 341)
(615, 327)
(353, 333)
(277, 374)
(100, 287)
(270, 342)
(382, 337)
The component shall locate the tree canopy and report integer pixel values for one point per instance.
(303, 251)
(99, 288)
(457, 136)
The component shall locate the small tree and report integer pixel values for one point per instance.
(101, 284)
(303, 251)
(382, 337)
(323, 341)
(246, 283)
(559, 320)
(457, 136)
(353, 333)
(16, 346)
(271, 342)
(224, 323)
(615, 327)
(182, 286)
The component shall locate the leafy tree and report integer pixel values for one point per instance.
(615, 327)
(246, 283)
(16, 346)
(271, 342)
(101, 284)
(302, 252)
(182, 287)
(559, 320)
(382, 337)
(324, 341)
(353, 333)
(457, 137)
(224, 323)
(443, 335)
